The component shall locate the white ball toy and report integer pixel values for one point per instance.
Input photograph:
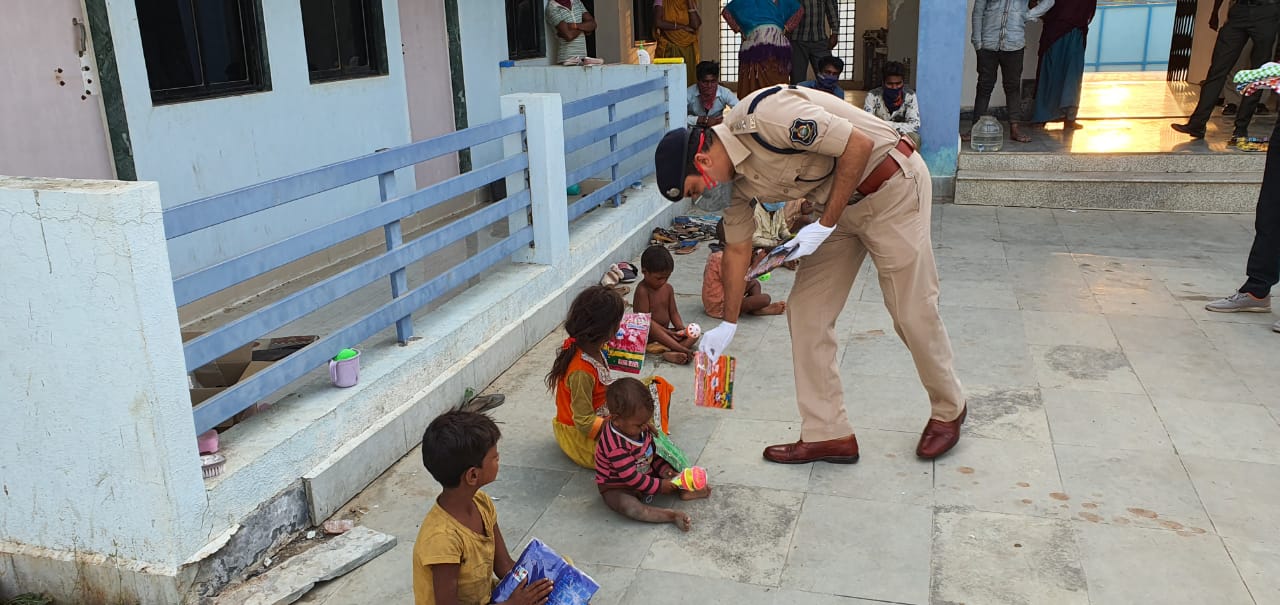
(693, 330)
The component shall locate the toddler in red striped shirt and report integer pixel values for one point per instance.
(629, 471)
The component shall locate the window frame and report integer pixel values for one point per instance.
(253, 33)
(540, 33)
(376, 36)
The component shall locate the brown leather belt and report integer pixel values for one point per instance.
(887, 168)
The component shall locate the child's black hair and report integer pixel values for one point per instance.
(593, 319)
(455, 442)
(656, 259)
(707, 68)
(627, 397)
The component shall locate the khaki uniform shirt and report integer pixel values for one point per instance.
(784, 146)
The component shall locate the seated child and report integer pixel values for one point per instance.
(657, 298)
(580, 374)
(777, 221)
(754, 301)
(628, 470)
(459, 553)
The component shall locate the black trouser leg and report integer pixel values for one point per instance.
(1226, 50)
(1265, 21)
(988, 63)
(1011, 80)
(1263, 267)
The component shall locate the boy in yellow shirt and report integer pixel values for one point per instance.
(460, 553)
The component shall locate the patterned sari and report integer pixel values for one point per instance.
(678, 44)
(764, 58)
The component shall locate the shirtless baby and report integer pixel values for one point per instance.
(657, 298)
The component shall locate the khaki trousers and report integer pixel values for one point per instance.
(893, 226)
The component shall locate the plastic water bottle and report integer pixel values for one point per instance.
(987, 135)
(642, 55)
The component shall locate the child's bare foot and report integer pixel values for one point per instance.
(697, 494)
(681, 520)
(676, 357)
(777, 308)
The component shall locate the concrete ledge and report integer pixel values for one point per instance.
(1176, 192)
(1239, 162)
(1246, 178)
(339, 440)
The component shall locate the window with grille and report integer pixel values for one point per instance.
(845, 48)
(197, 50)
(344, 39)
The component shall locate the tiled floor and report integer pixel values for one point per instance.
(1131, 114)
(1122, 446)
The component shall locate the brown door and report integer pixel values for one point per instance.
(51, 112)
(1184, 21)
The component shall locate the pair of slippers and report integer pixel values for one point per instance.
(620, 273)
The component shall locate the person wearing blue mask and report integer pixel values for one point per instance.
(828, 77)
(896, 104)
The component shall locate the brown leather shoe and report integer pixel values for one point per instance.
(939, 437)
(839, 451)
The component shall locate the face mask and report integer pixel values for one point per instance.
(827, 81)
(892, 95)
(773, 206)
(716, 198)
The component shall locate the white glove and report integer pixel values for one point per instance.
(807, 240)
(714, 343)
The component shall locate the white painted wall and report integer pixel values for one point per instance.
(97, 451)
(574, 83)
(1203, 39)
(199, 148)
(484, 45)
(49, 124)
(904, 25)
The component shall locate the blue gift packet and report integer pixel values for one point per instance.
(538, 561)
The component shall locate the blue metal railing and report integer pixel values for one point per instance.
(214, 210)
(610, 131)
(204, 213)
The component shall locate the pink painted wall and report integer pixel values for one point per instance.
(426, 66)
(46, 128)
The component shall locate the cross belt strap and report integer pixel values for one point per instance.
(887, 168)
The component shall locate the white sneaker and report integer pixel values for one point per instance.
(1240, 302)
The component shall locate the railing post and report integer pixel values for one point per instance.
(544, 142)
(613, 146)
(391, 231)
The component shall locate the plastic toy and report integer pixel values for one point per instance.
(693, 330)
(691, 479)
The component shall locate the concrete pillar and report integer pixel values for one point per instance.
(615, 40)
(102, 497)
(939, 72)
(544, 135)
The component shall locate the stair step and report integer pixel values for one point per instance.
(1098, 176)
(1108, 190)
(1119, 162)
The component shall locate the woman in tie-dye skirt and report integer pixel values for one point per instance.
(764, 59)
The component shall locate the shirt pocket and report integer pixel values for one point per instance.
(812, 169)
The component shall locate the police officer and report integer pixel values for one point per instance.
(874, 193)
